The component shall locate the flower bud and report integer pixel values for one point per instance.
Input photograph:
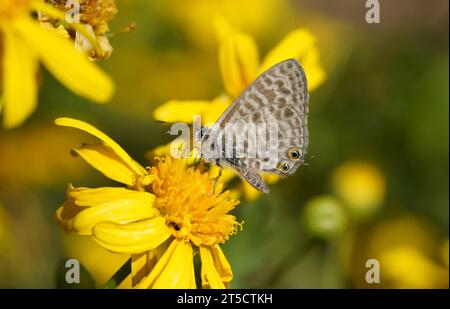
(324, 217)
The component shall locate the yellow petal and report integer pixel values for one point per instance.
(143, 263)
(106, 161)
(270, 178)
(163, 150)
(295, 45)
(91, 197)
(134, 237)
(313, 69)
(139, 267)
(110, 204)
(60, 30)
(66, 214)
(69, 66)
(238, 57)
(222, 27)
(78, 124)
(250, 193)
(180, 111)
(300, 45)
(235, 193)
(221, 263)
(175, 269)
(175, 149)
(215, 268)
(184, 111)
(19, 79)
(127, 283)
(215, 109)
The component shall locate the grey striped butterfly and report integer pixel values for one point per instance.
(277, 99)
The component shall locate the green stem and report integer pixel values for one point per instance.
(119, 276)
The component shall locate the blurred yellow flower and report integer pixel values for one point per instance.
(166, 212)
(6, 239)
(444, 253)
(406, 267)
(240, 65)
(360, 185)
(239, 57)
(25, 44)
(406, 249)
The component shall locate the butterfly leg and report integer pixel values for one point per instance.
(217, 178)
(197, 163)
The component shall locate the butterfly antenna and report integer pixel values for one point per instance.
(164, 122)
(310, 157)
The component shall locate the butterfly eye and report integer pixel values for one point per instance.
(283, 166)
(294, 154)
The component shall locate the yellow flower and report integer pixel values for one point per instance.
(25, 44)
(94, 16)
(240, 65)
(164, 215)
(361, 186)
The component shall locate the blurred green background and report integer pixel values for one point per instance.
(376, 186)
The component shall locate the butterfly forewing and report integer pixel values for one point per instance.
(278, 96)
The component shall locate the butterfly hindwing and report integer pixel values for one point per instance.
(254, 179)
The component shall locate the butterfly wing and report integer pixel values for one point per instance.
(253, 178)
(279, 95)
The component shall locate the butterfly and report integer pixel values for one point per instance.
(277, 98)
